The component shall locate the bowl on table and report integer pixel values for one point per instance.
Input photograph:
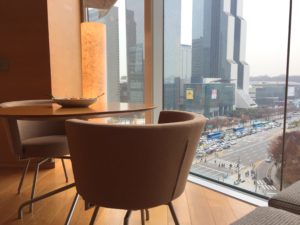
(75, 102)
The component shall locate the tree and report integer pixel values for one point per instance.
(244, 118)
(291, 171)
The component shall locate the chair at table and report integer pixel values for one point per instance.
(35, 139)
(133, 167)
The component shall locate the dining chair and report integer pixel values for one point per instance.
(40, 140)
(133, 167)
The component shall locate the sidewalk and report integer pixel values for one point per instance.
(276, 180)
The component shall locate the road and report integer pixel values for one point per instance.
(252, 148)
(250, 151)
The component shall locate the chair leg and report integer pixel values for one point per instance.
(69, 217)
(65, 171)
(142, 217)
(173, 213)
(147, 214)
(34, 181)
(23, 175)
(126, 218)
(94, 216)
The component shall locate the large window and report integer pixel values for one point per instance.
(125, 48)
(124, 53)
(227, 60)
(290, 172)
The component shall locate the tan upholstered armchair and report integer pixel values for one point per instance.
(133, 167)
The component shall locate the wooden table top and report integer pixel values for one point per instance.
(56, 111)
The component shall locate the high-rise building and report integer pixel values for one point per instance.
(213, 41)
(172, 37)
(219, 44)
(130, 29)
(135, 54)
(135, 63)
(185, 64)
(112, 54)
(240, 45)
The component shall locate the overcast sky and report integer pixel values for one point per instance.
(267, 32)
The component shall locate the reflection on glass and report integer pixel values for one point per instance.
(125, 49)
(226, 59)
(291, 169)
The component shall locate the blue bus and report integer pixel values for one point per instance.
(238, 129)
(215, 135)
(257, 124)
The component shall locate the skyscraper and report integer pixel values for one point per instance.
(185, 62)
(240, 45)
(112, 54)
(219, 46)
(135, 51)
(213, 41)
(172, 39)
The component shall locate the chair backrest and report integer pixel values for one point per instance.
(133, 166)
(18, 130)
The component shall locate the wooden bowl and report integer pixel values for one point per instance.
(74, 102)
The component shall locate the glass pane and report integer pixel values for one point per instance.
(226, 59)
(125, 49)
(291, 170)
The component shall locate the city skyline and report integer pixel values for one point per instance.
(261, 55)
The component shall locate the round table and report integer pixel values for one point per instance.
(55, 111)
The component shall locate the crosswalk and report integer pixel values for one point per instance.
(262, 184)
(209, 172)
(225, 163)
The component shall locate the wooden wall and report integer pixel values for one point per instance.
(24, 45)
(25, 48)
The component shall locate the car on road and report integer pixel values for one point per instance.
(259, 129)
(253, 131)
(233, 137)
(268, 160)
(268, 180)
(210, 150)
(226, 146)
(219, 149)
(200, 154)
(233, 142)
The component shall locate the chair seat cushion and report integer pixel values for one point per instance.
(269, 216)
(288, 199)
(45, 146)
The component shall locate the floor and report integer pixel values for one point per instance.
(197, 205)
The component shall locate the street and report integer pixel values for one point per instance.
(248, 154)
